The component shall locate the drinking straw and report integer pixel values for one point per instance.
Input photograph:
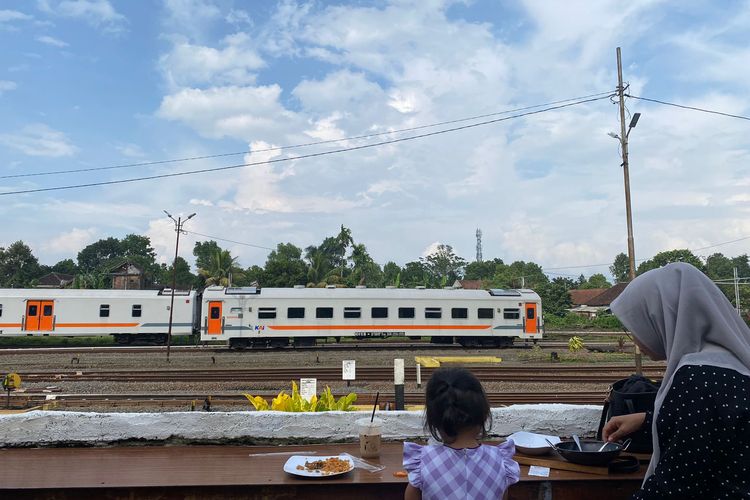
(374, 407)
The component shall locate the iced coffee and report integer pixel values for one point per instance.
(369, 437)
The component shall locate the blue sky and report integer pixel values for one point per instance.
(90, 83)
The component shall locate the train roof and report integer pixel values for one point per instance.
(370, 293)
(59, 293)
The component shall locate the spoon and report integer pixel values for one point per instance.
(577, 441)
(603, 446)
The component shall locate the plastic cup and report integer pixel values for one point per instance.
(369, 437)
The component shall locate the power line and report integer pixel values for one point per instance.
(297, 146)
(310, 155)
(693, 108)
(229, 241)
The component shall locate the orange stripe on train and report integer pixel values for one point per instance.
(95, 325)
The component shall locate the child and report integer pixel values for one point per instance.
(457, 413)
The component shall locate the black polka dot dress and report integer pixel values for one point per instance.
(704, 437)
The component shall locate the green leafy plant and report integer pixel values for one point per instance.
(296, 403)
(575, 344)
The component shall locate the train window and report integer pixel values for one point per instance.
(47, 310)
(352, 312)
(33, 310)
(433, 313)
(266, 312)
(1, 310)
(511, 314)
(459, 313)
(215, 312)
(295, 312)
(530, 313)
(104, 311)
(324, 312)
(485, 313)
(136, 312)
(379, 312)
(405, 312)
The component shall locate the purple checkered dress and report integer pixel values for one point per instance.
(444, 473)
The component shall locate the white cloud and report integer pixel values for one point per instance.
(204, 203)
(130, 150)
(70, 242)
(7, 85)
(8, 16)
(55, 42)
(191, 17)
(39, 139)
(234, 64)
(98, 13)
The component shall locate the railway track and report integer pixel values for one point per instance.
(346, 346)
(238, 401)
(553, 373)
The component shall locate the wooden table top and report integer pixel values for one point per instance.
(168, 466)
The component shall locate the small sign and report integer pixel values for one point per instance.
(398, 371)
(348, 369)
(11, 381)
(308, 387)
(536, 470)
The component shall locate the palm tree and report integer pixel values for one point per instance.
(222, 268)
(343, 239)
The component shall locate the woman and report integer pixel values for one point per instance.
(701, 417)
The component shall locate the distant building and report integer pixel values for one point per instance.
(593, 301)
(55, 280)
(469, 284)
(127, 276)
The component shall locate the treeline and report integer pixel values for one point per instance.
(338, 260)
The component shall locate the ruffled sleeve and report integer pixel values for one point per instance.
(413, 463)
(510, 467)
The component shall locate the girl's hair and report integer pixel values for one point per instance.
(455, 401)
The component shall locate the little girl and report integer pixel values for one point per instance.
(457, 413)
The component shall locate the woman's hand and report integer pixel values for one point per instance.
(619, 427)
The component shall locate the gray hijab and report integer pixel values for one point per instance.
(681, 316)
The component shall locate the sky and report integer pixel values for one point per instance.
(86, 84)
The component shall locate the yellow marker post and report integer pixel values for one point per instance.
(11, 382)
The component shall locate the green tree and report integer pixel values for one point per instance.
(620, 268)
(18, 266)
(597, 280)
(664, 258)
(98, 254)
(519, 274)
(319, 265)
(184, 279)
(365, 271)
(285, 267)
(204, 252)
(555, 296)
(484, 270)
(254, 276)
(443, 266)
(343, 240)
(415, 274)
(222, 269)
(66, 266)
(391, 273)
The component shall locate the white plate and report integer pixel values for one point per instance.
(291, 465)
(530, 443)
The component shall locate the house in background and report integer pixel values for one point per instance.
(468, 284)
(127, 276)
(594, 301)
(55, 280)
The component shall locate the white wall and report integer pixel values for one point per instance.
(47, 428)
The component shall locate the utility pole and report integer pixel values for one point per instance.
(178, 228)
(625, 171)
(737, 292)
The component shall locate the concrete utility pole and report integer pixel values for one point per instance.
(625, 171)
(178, 228)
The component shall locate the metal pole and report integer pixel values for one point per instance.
(737, 292)
(626, 174)
(174, 283)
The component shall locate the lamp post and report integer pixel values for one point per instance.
(178, 228)
(623, 137)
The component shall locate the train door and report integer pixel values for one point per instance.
(531, 318)
(32, 315)
(47, 316)
(215, 320)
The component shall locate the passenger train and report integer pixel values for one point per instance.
(248, 317)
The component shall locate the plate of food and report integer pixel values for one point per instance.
(530, 443)
(307, 466)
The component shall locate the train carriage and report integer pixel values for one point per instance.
(127, 315)
(275, 317)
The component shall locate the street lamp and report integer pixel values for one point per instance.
(178, 228)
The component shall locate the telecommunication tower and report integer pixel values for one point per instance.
(479, 245)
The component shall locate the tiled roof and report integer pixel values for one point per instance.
(55, 279)
(608, 296)
(471, 284)
(585, 296)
